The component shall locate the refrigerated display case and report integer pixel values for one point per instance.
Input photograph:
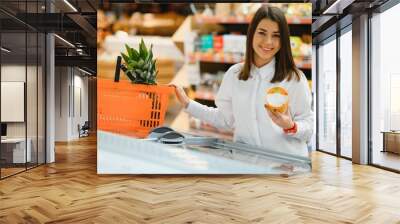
(185, 153)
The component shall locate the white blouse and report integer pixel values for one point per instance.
(240, 106)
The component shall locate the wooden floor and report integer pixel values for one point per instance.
(387, 159)
(10, 171)
(70, 191)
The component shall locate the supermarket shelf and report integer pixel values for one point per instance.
(200, 19)
(216, 58)
(301, 62)
(299, 20)
(208, 96)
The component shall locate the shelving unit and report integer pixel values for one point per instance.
(244, 20)
(297, 25)
(228, 58)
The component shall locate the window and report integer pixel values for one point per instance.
(385, 89)
(327, 96)
(22, 76)
(346, 75)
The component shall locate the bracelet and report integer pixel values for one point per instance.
(291, 130)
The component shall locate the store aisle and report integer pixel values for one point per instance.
(71, 191)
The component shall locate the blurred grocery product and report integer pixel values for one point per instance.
(277, 99)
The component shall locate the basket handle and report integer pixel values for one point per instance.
(117, 69)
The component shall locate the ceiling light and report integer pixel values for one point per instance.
(84, 71)
(65, 41)
(80, 51)
(70, 5)
(337, 7)
(5, 49)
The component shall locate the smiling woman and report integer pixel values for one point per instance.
(241, 98)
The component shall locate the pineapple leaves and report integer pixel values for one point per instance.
(150, 55)
(133, 54)
(125, 57)
(139, 66)
(142, 50)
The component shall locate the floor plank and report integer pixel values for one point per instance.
(70, 191)
(386, 159)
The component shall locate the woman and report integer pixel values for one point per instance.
(240, 99)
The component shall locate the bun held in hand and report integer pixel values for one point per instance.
(277, 99)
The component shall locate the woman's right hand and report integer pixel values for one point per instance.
(181, 95)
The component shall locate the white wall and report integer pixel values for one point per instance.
(33, 126)
(80, 84)
(61, 103)
(71, 87)
(12, 73)
(13, 100)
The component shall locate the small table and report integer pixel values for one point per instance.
(391, 141)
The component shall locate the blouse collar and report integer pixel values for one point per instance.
(266, 70)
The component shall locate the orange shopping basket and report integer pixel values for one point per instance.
(130, 109)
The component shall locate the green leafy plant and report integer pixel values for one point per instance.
(140, 66)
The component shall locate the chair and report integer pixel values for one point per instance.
(84, 130)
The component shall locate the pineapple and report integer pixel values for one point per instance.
(139, 66)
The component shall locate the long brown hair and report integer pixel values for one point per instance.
(284, 66)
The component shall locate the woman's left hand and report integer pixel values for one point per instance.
(283, 120)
